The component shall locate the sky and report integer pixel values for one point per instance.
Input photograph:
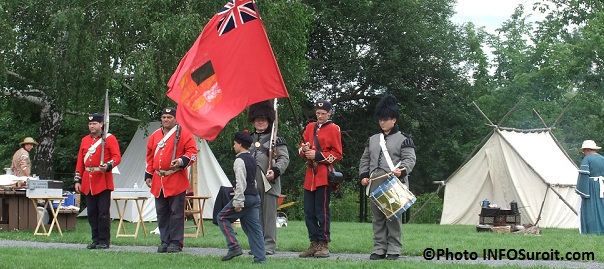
(491, 13)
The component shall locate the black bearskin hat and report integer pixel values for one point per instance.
(262, 109)
(387, 107)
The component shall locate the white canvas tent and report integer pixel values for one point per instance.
(210, 176)
(526, 166)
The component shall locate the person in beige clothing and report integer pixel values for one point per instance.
(21, 164)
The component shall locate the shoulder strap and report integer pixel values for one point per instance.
(317, 145)
(262, 148)
(162, 142)
(93, 147)
(386, 154)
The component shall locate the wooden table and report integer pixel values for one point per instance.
(16, 212)
(194, 205)
(121, 229)
(47, 204)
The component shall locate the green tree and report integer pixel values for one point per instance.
(361, 49)
(60, 57)
(551, 65)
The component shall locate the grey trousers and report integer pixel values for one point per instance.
(386, 234)
(268, 219)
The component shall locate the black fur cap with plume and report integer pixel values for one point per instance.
(387, 107)
(262, 109)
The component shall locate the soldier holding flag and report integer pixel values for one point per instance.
(268, 176)
(99, 153)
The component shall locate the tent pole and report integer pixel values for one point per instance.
(479, 146)
(541, 209)
(505, 117)
(482, 113)
(194, 179)
(561, 148)
(440, 185)
(542, 121)
(564, 201)
(195, 185)
(484, 140)
(563, 111)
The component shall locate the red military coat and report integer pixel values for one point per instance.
(330, 141)
(96, 181)
(177, 182)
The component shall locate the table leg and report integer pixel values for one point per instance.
(203, 205)
(197, 223)
(55, 220)
(35, 202)
(190, 210)
(140, 216)
(120, 213)
(138, 224)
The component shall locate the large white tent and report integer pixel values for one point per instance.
(526, 166)
(210, 176)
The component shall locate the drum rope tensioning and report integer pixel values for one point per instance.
(392, 197)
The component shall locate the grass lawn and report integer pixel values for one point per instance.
(346, 238)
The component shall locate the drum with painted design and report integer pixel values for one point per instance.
(393, 198)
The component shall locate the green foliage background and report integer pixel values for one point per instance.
(59, 57)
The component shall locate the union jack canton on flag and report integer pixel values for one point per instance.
(244, 13)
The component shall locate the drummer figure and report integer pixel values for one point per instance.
(387, 152)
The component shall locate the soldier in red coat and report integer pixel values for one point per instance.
(94, 180)
(321, 147)
(170, 150)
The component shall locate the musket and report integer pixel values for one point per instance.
(176, 138)
(273, 139)
(105, 126)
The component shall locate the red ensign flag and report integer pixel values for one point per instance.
(230, 66)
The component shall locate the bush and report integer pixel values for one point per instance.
(345, 207)
(431, 213)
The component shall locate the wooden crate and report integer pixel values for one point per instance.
(490, 212)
